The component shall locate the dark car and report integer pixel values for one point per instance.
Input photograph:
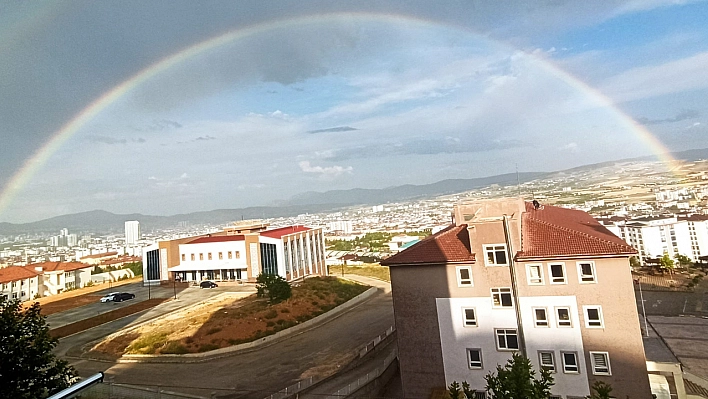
(208, 284)
(123, 296)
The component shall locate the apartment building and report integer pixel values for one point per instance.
(57, 277)
(240, 252)
(18, 283)
(510, 276)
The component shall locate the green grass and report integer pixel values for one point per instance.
(148, 344)
(366, 270)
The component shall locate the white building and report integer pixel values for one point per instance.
(57, 277)
(18, 283)
(132, 232)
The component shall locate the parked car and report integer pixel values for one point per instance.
(122, 296)
(208, 284)
(109, 297)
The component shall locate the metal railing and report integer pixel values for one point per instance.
(107, 390)
(372, 344)
(362, 381)
(292, 389)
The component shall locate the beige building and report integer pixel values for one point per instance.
(57, 277)
(18, 283)
(510, 276)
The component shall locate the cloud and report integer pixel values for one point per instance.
(183, 175)
(326, 171)
(572, 147)
(681, 116)
(204, 138)
(333, 129)
(106, 140)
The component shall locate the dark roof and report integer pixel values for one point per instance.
(552, 231)
(283, 231)
(449, 245)
(202, 240)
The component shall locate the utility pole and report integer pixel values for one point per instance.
(514, 285)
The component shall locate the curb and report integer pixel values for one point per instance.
(248, 346)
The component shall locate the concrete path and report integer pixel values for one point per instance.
(687, 339)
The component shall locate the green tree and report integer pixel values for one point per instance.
(683, 260)
(666, 263)
(634, 262)
(274, 286)
(454, 390)
(517, 380)
(29, 368)
(136, 267)
(601, 390)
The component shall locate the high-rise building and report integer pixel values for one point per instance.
(550, 283)
(132, 232)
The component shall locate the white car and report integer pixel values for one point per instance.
(109, 297)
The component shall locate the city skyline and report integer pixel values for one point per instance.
(159, 112)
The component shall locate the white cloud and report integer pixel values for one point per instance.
(572, 147)
(184, 175)
(326, 171)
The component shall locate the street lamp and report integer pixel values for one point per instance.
(641, 298)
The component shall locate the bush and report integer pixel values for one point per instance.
(274, 286)
(174, 348)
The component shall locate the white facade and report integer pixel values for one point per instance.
(22, 289)
(209, 261)
(132, 232)
(654, 237)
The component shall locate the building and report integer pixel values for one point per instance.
(97, 259)
(509, 276)
(240, 253)
(18, 283)
(132, 232)
(57, 277)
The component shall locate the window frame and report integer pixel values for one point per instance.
(490, 248)
(601, 318)
(506, 332)
(565, 365)
(558, 319)
(552, 368)
(462, 282)
(550, 273)
(536, 320)
(606, 355)
(184, 257)
(501, 302)
(540, 274)
(469, 359)
(466, 320)
(581, 275)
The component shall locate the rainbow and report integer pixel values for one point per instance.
(40, 157)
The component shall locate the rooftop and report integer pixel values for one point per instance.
(202, 240)
(58, 266)
(15, 273)
(449, 245)
(283, 231)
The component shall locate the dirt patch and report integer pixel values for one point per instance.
(68, 303)
(231, 321)
(85, 324)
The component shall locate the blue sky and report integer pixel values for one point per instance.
(394, 94)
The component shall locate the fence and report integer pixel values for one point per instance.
(362, 381)
(108, 390)
(292, 389)
(372, 344)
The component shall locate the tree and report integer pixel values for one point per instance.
(516, 380)
(666, 263)
(274, 286)
(683, 260)
(634, 262)
(602, 390)
(29, 367)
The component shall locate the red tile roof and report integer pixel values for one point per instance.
(15, 273)
(554, 232)
(98, 256)
(202, 240)
(449, 245)
(283, 231)
(58, 266)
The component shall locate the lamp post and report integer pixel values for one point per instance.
(641, 298)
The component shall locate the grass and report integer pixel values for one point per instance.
(367, 270)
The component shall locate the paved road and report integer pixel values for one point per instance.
(263, 371)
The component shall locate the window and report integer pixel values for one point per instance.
(474, 358)
(238, 255)
(557, 272)
(593, 316)
(230, 255)
(14, 283)
(221, 255)
(469, 316)
(534, 274)
(192, 256)
(495, 255)
(600, 363)
(501, 297)
(563, 317)
(14, 295)
(570, 362)
(547, 361)
(540, 317)
(201, 256)
(184, 257)
(209, 255)
(507, 340)
(586, 272)
(464, 276)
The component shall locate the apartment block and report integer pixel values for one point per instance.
(513, 276)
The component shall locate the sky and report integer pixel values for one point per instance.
(168, 107)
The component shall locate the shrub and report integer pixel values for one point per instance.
(174, 348)
(274, 286)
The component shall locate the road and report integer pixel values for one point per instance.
(254, 374)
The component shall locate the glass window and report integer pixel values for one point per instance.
(474, 358)
(593, 316)
(495, 255)
(464, 276)
(230, 255)
(507, 339)
(557, 272)
(238, 255)
(570, 362)
(547, 361)
(201, 256)
(501, 298)
(586, 272)
(540, 317)
(563, 317)
(184, 257)
(209, 255)
(600, 363)
(221, 255)
(534, 274)
(192, 256)
(470, 317)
